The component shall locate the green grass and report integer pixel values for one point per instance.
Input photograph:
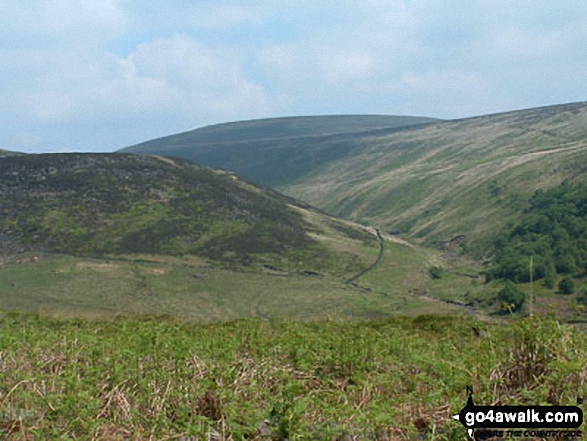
(194, 288)
(132, 378)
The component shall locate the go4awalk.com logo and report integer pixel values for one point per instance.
(483, 422)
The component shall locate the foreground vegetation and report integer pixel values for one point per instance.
(158, 378)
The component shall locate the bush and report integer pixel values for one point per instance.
(437, 272)
(550, 281)
(567, 285)
(582, 297)
(511, 297)
(544, 268)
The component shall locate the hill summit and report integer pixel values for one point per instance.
(273, 151)
(112, 204)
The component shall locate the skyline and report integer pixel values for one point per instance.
(98, 76)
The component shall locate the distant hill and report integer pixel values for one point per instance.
(274, 151)
(114, 204)
(9, 153)
(465, 177)
(430, 182)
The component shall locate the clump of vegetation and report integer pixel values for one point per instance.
(567, 285)
(553, 231)
(437, 272)
(511, 298)
(529, 361)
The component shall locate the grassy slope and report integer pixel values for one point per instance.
(431, 182)
(151, 235)
(166, 379)
(192, 288)
(458, 177)
(274, 151)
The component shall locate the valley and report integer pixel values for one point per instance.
(144, 296)
(430, 182)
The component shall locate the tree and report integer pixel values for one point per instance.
(565, 264)
(549, 281)
(511, 297)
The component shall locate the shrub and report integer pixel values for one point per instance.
(567, 285)
(550, 281)
(582, 297)
(437, 272)
(511, 297)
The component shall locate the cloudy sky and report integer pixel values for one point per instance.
(99, 75)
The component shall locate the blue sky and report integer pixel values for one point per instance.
(99, 75)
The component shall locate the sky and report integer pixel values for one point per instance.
(100, 75)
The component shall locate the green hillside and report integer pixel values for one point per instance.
(466, 177)
(108, 234)
(274, 151)
(159, 233)
(430, 182)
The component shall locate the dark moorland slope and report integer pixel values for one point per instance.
(110, 204)
(275, 151)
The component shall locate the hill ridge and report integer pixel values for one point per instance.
(432, 181)
(380, 121)
(111, 204)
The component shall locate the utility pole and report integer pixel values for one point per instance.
(531, 306)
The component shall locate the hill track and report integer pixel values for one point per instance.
(374, 264)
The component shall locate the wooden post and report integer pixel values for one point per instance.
(531, 306)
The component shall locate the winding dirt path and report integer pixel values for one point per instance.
(374, 264)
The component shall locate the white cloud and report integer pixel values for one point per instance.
(105, 73)
(364, 44)
(63, 16)
(198, 81)
(170, 82)
(343, 66)
(220, 15)
(65, 22)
